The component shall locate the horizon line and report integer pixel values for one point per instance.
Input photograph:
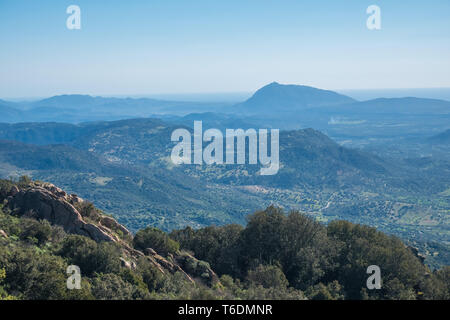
(200, 93)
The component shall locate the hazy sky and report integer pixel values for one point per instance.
(179, 46)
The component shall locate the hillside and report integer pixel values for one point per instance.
(43, 230)
(137, 195)
(114, 263)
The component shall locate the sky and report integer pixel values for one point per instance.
(189, 46)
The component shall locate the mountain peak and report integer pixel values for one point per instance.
(276, 97)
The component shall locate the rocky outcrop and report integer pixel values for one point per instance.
(46, 201)
(3, 234)
(196, 268)
(127, 264)
(185, 263)
(112, 224)
(163, 264)
(51, 203)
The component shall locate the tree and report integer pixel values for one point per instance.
(332, 291)
(268, 276)
(436, 286)
(90, 256)
(37, 232)
(362, 246)
(156, 239)
(111, 287)
(3, 294)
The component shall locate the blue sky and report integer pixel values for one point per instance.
(182, 46)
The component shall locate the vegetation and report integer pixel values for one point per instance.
(275, 256)
(324, 262)
(124, 168)
(156, 239)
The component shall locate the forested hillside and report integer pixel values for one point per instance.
(276, 255)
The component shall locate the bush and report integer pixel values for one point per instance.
(362, 246)
(3, 294)
(436, 286)
(37, 232)
(158, 240)
(88, 210)
(268, 277)
(332, 291)
(111, 287)
(151, 276)
(34, 276)
(90, 256)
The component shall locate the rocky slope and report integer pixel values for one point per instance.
(45, 201)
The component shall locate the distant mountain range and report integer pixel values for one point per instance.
(271, 100)
(83, 108)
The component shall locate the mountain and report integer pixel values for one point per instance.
(71, 101)
(275, 97)
(82, 108)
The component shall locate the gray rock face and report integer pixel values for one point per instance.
(41, 203)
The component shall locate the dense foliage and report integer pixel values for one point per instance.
(156, 239)
(323, 261)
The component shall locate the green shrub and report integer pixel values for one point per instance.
(90, 256)
(37, 232)
(268, 277)
(158, 240)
